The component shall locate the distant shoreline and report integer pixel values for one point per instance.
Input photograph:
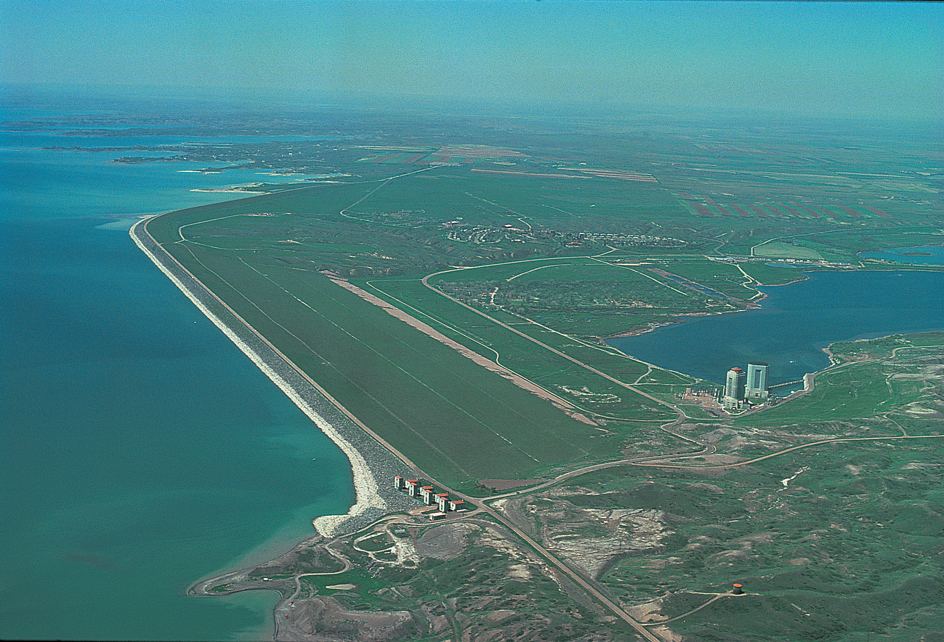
(372, 500)
(753, 302)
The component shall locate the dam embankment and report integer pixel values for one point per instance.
(372, 465)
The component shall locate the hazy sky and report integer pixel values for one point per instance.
(835, 58)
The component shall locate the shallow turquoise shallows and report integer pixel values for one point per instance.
(140, 449)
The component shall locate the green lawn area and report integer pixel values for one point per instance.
(454, 418)
(771, 274)
(537, 364)
(779, 250)
(852, 392)
(511, 236)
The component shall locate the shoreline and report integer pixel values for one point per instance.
(752, 304)
(372, 501)
(808, 377)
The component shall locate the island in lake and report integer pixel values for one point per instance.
(439, 307)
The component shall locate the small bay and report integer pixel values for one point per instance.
(794, 323)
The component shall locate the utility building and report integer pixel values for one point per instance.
(734, 386)
(426, 492)
(756, 380)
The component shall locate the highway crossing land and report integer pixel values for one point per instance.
(521, 259)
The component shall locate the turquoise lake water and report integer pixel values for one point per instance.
(140, 449)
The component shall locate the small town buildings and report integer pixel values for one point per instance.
(425, 493)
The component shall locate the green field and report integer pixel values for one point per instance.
(827, 507)
(866, 388)
(777, 250)
(456, 420)
(532, 272)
